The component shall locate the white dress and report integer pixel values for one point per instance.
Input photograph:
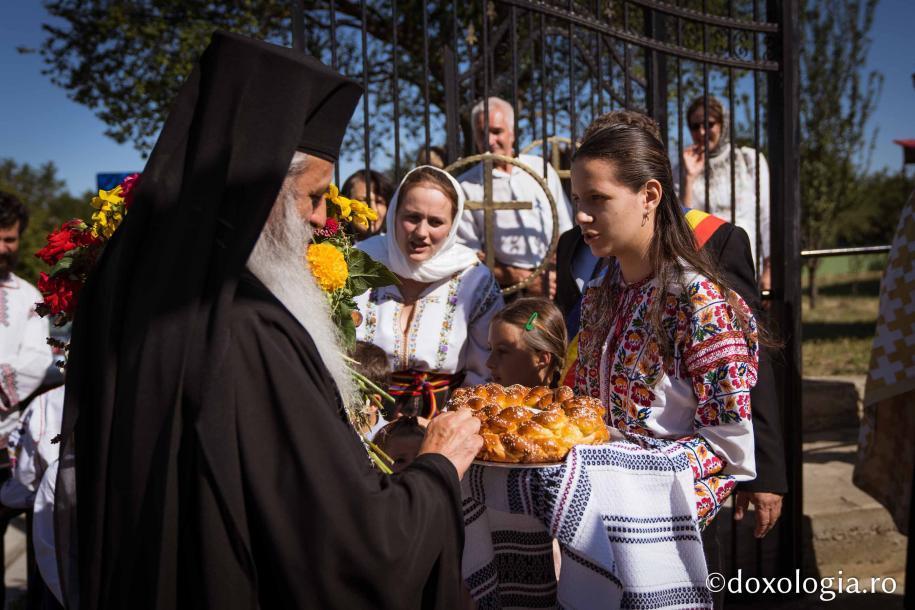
(522, 236)
(450, 326)
(31, 486)
(719, 171)
(24, 352)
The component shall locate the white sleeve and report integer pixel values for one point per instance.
(468, 233)
(487, 301)
(563, 206)
(23, 373)
(43, 532)
(764, 204)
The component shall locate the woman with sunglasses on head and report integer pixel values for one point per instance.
(664, 343)
(712, 134)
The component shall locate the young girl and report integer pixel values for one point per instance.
(527, 342)
(665, 345)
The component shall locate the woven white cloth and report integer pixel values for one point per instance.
(625, 518)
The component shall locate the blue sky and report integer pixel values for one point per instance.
(38, 123)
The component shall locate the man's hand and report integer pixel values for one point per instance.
(506, 275)
(768, 509)
(455, 436)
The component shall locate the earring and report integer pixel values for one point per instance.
(644, 218)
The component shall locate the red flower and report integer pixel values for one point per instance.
(331, 227)
(127, 188)
(59, 293)
(68, 237)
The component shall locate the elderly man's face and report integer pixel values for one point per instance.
(501, 132)
(311, 188)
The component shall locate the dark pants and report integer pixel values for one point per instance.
(711, 544)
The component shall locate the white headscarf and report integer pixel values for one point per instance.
(451, 257)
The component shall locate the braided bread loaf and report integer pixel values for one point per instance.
(531, 425)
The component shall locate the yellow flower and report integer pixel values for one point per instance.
(363, 214)
(110, 206)
(328, 266)
(111, 197)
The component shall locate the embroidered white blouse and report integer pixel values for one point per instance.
(24, 352)
(450, 326)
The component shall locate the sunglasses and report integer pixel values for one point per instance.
(696, 126)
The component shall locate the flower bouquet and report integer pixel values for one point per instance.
(344, 272)
(72, 251)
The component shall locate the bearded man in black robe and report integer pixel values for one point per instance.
(206, 459)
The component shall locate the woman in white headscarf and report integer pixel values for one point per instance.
(434, 325)
(718, 172)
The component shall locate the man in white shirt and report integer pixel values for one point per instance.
(24, 352)
(522, 237)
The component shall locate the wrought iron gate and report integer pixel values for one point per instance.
(561, 63)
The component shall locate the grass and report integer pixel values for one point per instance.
(838, 333)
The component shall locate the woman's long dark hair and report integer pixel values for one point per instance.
(638, 156)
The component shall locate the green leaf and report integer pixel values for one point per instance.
(62, 265)
(365, 273)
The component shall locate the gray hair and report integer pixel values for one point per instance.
(504, 106)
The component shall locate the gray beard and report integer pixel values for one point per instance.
(278, 261)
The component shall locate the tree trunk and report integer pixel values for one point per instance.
(811, 281)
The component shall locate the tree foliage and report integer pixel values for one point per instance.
(838, 97)
(126, 60)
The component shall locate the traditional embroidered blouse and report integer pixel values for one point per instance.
(701, 399)
(450, 326)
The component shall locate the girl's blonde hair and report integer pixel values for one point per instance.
(543, 332)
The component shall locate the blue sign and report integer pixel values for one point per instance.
(106, 182)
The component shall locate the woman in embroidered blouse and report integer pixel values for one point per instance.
(664, 343)
(434, 325)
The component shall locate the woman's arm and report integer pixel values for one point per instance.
(721, 361)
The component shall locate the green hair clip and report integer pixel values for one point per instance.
(530, 321)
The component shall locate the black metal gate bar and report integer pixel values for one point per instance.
(395, 91)
(757, 146)
(625, 36)
(298, 26)
(733, 126)
(729, 22)
(786, 281)
(365, 105)
(627, 79)
(680, 164)
(599, 54)
(656, 91)
(705, 140)
(543, 127)
(484, 62)
(572, 93)
(513, 15)
(333, 63)
(426, 75)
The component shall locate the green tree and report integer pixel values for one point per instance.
(837, 99)
(48, 203)
(126, 60)
(878, 200)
